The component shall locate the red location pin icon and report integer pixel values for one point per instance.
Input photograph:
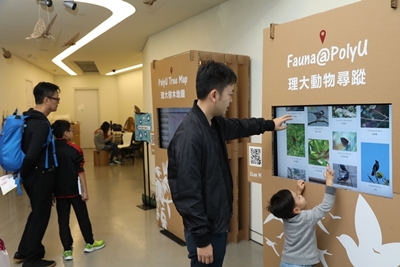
(322, 35)
(170, 70)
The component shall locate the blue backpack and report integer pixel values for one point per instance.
(11, 154)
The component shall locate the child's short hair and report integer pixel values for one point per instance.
(282, 204)
(59, 127)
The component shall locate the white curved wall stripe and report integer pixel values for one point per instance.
(120, 11)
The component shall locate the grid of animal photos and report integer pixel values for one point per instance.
(356, 140)
(169, 120)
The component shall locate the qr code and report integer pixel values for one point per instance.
(255, 156)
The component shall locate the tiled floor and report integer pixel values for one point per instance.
(132, 235)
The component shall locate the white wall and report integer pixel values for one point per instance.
(13, 74)
(107, 93)
(117, 94)
(130, 93)
(234, 27)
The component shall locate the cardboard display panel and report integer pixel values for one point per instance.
(346, 56)
(173, 91)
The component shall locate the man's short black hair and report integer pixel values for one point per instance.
(282, 204)
(60, 127)
(213, 75)
(44, 89)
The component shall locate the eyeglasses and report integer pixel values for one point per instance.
(54, 98)
(71, 130)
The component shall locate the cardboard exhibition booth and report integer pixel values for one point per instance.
(173, 88)
(337, 73)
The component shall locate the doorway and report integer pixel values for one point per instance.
(87, 113)
(30, 99)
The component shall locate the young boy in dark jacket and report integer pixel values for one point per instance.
(69, 190)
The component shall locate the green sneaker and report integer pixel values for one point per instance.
(97, 244)
(67, 255)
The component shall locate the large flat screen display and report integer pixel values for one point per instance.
(356, 140)
(168, 121)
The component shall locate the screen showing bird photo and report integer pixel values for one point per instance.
(169, 120)
(356, 140)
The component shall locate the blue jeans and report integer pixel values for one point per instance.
(284, 264)
(218, 242)
(113, 148)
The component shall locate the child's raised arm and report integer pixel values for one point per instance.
(329, 174)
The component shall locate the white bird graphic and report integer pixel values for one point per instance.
(335, 217)
(322, 226)
(370, 252)
(321, 257)
(272, 245)
(280, 236)
(272, 217)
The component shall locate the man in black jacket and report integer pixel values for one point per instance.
(38, 180)
(198, 169)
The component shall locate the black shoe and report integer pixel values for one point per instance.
(39, 263)
(18, 258)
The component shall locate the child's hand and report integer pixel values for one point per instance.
(85, 196)
(329, 174)
(300, 186)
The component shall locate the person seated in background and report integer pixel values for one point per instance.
(103, 141)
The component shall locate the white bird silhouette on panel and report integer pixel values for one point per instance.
(272, 245)
(321, 256)
(335, 217)
(370, 252)
(319, 223)
(280, 236)
(272, 217)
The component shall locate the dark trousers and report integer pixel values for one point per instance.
(39, 186)
(113, 148)
(82, 215)
(218, 242)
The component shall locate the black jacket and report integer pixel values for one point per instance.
(33, 139)
(70, 164)
(198, 171)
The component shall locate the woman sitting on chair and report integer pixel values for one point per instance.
(103, 141)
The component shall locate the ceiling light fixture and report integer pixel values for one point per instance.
(47, 3)
(70, 4)
(120, 11)
(125, 69)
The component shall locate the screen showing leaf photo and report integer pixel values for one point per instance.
(356, 140)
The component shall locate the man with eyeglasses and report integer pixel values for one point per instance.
(38, 180)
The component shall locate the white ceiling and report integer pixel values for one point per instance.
(118, 48)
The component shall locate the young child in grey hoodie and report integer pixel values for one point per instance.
(300, 248)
